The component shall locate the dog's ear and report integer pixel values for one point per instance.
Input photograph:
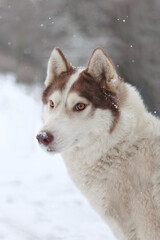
(101, 68)
(57, 64)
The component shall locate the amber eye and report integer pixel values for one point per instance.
(51, 104)
(80, 106)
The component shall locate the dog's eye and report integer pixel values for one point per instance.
(51, 104)
(80, 106)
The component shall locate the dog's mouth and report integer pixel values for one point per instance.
(50, 149)
(56, 146)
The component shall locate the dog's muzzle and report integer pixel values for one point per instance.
(44, 138)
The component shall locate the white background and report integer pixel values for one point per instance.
(37, 198)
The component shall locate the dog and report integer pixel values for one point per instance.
(109, 141)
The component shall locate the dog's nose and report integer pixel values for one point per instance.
(44, 138)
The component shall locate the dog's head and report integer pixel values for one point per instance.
(79, 104)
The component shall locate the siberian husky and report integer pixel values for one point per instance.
(109, 141)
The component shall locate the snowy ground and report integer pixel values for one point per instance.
(38, 201)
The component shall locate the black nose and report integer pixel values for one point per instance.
(44, 138)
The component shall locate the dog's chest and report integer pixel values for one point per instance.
(114, 184)
(105, 185)
(112, 178)
(102, 182)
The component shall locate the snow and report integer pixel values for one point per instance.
(38, 201)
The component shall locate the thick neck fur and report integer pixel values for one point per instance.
(118, 174)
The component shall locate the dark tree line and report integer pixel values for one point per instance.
(129, 30)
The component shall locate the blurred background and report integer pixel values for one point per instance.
(129, 30)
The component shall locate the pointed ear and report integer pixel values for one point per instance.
(56, 65)
(101, 68)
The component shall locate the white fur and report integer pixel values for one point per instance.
(118, 172)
